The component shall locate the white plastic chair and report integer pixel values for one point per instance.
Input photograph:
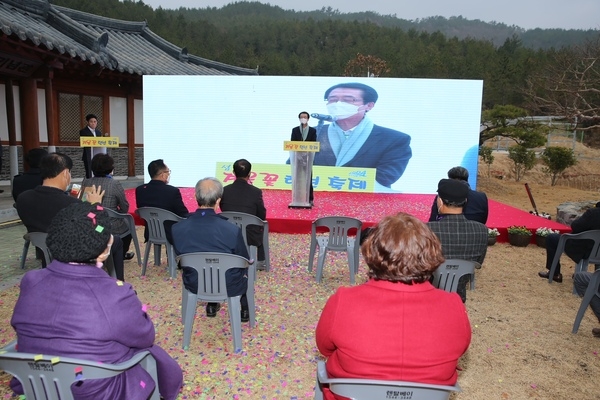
(155, 218)
(39, 240)
(48, 377)
(336, 240)
(372, 389)
(447, 275)
(592, 290)
(242, 220)
(212, 288)
(130, 222)
(582, 265)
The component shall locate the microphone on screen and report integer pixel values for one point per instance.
(322, 117)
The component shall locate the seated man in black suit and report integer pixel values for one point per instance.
(32, 177)
(575, 249)
(241, 196)
(158, 193)
(476, 208)
(37, 207)
(205, 230)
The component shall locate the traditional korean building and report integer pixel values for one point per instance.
(58, 65)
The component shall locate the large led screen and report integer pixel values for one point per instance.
(406, 133)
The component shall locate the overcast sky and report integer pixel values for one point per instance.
(528, 14)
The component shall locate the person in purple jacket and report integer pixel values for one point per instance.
(73, 308)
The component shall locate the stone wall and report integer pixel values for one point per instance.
(118, 154)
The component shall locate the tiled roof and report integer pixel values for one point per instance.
(127, 47)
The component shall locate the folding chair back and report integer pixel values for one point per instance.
(212, 288)
(447, 275)
(336, 240)
(242, 220)
(372, 389)
(46, 377)
(130, 223)
(155, 222)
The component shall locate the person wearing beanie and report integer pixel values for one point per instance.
(476, 208)
(73, 308)
(461, 238)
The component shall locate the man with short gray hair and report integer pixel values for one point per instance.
(205, 230)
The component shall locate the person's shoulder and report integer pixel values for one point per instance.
(381, 130)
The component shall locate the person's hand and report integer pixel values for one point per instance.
(95, 195)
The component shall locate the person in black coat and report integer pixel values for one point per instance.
(305, 133)
(32, 177)
(158, 193)
(575, 249)
(476, 208)
(241, 196)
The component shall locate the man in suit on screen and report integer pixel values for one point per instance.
(353, 140)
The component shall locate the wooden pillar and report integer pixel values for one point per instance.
(130, 136)
(30, 127)
(12, 128)
(50, 107)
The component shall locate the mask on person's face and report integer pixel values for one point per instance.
(303, 121)
(341, 110)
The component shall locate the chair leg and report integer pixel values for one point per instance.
(146, 257)
(589, 294)
(235, 319)
(582, 265)
(311, 254)
(266, 249)
(24, 253)
(172, 264)
(136, 244)
(351, 261)
(157, 255)
(559, 250)
(321, 262)
(188, 322)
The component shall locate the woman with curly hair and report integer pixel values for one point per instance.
(396, 326)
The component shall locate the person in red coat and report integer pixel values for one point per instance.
(396, 326)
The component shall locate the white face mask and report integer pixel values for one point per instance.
(303, 121)
(341, 110)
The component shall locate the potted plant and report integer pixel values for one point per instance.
(540, 235)
(492, 236)
(519, 235)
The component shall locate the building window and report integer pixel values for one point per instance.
(72, 110)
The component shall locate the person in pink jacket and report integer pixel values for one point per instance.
(396, 326)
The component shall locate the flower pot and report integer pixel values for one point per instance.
(492, 240)
(540, 241)
(519, 240)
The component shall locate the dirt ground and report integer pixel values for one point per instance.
(578, 183)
